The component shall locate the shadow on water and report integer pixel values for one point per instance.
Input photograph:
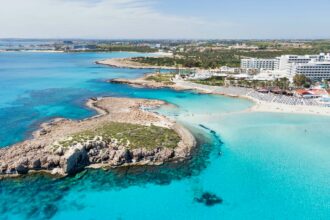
(38, 196)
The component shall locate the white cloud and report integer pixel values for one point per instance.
(98, 19)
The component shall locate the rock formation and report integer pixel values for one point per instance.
(43, 153)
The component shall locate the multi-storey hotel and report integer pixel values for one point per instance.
(286, 61)
(315, 67)
(254, 63)
(316, 71)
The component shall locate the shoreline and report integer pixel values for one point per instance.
(259, 106)
(282, 108)
(38, 154)
(129, 64)
(263, 106)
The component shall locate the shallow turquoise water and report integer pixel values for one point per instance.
(263, 165)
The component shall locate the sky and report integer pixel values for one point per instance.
(165, 19)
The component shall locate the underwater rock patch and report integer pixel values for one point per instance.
(209, 199)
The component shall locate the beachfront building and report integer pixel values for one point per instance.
(226, 69)
(269, 75)
(291, 63)
(255, 63)
(311, 93)
(285, 62)
(315, 67)
(316, 71)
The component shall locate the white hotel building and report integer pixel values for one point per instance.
(254, 63)
(315, 70)
(315, 67)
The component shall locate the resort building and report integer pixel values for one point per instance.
(254, 63)
(315, 67)
(269, 75)
(315, 70)
(285, 62)
(226, 69)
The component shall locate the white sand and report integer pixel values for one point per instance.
(296, 109)
(261, 106)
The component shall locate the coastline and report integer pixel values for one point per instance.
(143, 82)
(259, 106)
(129, 64)
(38, 154)
(282, 108)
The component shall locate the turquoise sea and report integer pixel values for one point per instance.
(262, 165)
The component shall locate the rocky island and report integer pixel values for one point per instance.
(124, 133)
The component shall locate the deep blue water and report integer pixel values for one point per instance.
(262, 165)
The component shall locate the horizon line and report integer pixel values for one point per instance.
(164, 39)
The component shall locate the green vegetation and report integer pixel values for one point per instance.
(301, 80)
(279, 52)
(138, 136)
(321, 45)
(213, 81)
(195, 59)
(282, 83)
(211, 58)
(221, 81)
(165, 78)
(313, 45)
(158, 61)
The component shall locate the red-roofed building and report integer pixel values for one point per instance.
(311, 93)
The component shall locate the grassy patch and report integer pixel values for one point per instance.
(131, 135)
(157, 61)
(213, 81)
(165, 78)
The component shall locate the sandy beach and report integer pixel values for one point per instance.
(282, 108)
(260, 106)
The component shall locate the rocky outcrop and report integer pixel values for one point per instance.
(74, 160)
(43, 153)
(81, 155)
